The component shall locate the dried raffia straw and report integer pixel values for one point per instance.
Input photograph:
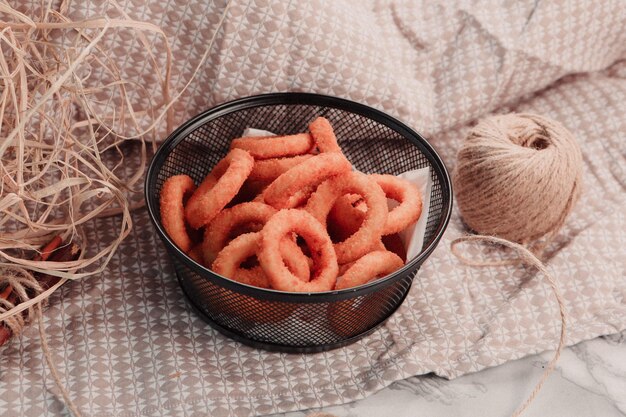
(20, 281)
(53, 370)
(56, 162)
(54, 178)
(66, 114)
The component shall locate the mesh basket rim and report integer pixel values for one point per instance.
(292, 98)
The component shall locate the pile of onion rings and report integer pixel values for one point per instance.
(290, 213)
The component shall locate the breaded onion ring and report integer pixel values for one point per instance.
(270, 169)
(343, 268)
(296, 261)
(229, 259)
(346, 216)
(249, 191)
(323, 135)
(195, 253)
(307, 174)
(373, 265)
(377, 246)
(323, 199)
(282, 224)
(265, 147)
(172, 212)
(393, 243)
(250, 217)
(407, 195)
(218, 188)
(371, 308)
(240, 249)
(235, 304)
(217, 232)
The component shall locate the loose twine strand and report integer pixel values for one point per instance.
(526, 257)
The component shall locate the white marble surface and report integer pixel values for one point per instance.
(590, 380)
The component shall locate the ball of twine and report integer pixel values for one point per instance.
(518, 176)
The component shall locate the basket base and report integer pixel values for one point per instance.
(273, 347)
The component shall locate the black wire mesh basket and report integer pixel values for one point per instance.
(297, 322)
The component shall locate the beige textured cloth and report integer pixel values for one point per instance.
(128, 345)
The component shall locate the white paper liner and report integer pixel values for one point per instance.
(413, 236)
(252, 132)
